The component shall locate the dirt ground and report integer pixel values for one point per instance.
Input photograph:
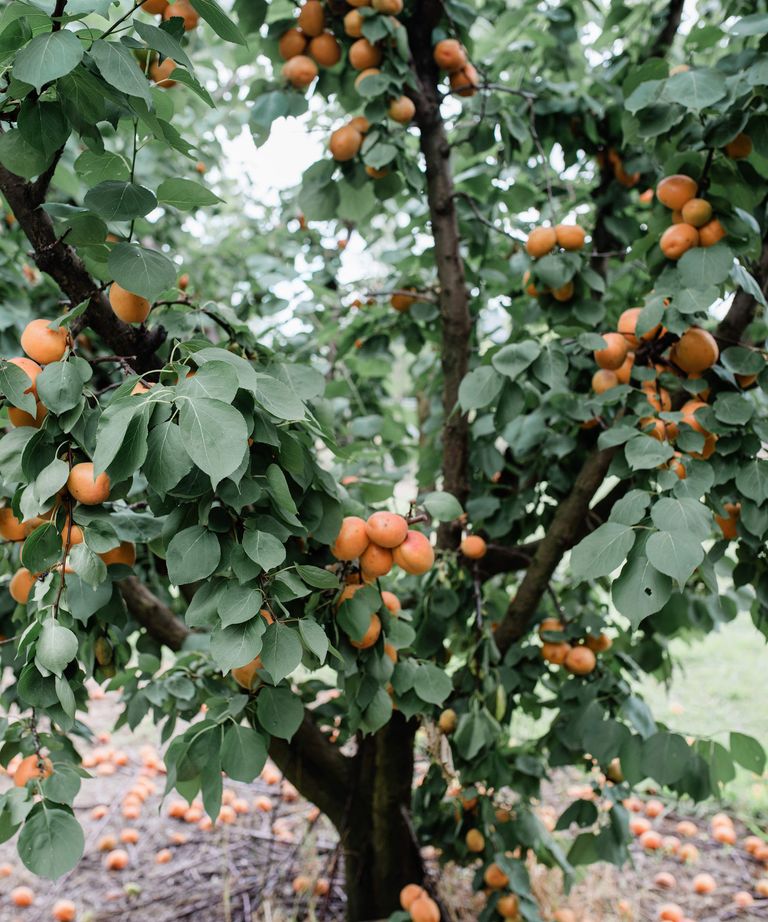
(243, 869)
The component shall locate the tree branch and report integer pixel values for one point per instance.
(744, 306)
(153, 614)
(668, 31)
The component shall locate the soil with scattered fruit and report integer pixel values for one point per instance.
(271, 857)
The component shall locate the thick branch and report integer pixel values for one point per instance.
(454, 301)
(743, 307)
(561, 535)
(65, 267)
(153, 614)
(666, 36)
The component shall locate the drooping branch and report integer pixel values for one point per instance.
(59, 260)
(456, 320)
(560, 536)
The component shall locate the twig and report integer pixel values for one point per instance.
(542, 154)
(482, 219)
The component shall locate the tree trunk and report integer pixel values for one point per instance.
(380, 853)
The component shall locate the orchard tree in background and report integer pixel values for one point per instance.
(552, 346)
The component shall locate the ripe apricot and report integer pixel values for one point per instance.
(657, 397)
(726, 835)
(64, 911)
(711, 233)
(390, 651)
(650, 840)
(677, 240)
(654, 808)
(696, 212)
(30, 768)
(300, 71)
(415, 555)
(424, 909)
(474, 840)
(688, 853)
(363, 55)
(449, 55)
(761, 887)
(665, 880)
(361, 123)
(20, 418)
(163, 856)
(42, 344)
(124, 553)
(388, 7)
(391, 602)
(555, 653)
(291, 43)
(494, 877)
(11, 529)
(154, 6)
(696, 350)
(409, 894)
(448, 721)
(311, 18)
(739, 148)
(541, 241)
(550, 624)
(603, 380)
(84, 487)
(402, 301)
(345, 143)
(22, 896)
(474, 547)
(627, 326)
(751, 844)
(704, 883)
(21, 585)
(580, 661)
(116, 860)
(729, 526)
(654, 427)
(129, 836)
(670, 912)
(466, 81)
(570, 236)
(160, 74)
(183, 10)
(325, 49)
(598, 643)
(742, 898)
(353, 24)
(106, 843)
(352, 538)
(371, 635)
(6, 870)
(386, 529)
(375, 561)
(674, 191)
(508, 906)
(31, 370)
(368, 72)
(613, 354)
(564, 293)
(401, 110)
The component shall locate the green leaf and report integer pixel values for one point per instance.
(215, 436)
(748, 752)
(93, 167)
(317, 577)
(193, 554)
(752, 479)
(47, 57)
(237, 644)
(277, 398)
(703, 267)
(59, 386)
(280, 712)
(185, 194)
(432, 684)
(120, 69)
(13, 383)
(665, 757)
(239, 603)
(56, 647)
(675, 553)
(90, 568)
(218, 20)
(513, 359)
(114, 200)
(216, 380)
(640, 590)
(264, 549)
(602, 552)
(695, 89)
(682, 515)
(630, 509)
(733, 408)
(42, 549)
(20, 157)
(51, 842)
(479, 387)
(243, 753)
(161, 40)
(144, 272)
(280, 651)
(644, 452)
(755, 24)
(442, 506)
(314, 638)
(279, 491)
(167, 461)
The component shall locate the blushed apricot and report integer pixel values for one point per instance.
(371, 635)
(613, 354)
(325, 49)
(124, 553)
(711, 233)
(677, 240)
(541, 241)
(466, 81)
(598, 643)
(352, 538)
(42, 344)
(345, 143)
(21, 585)
(449, 55)
(84, 487)
(386, 529)
(580, 661)
(739, 148)
(31, 370)
(64, 911)
(570, 236)
(401, 110)
(696, 350)
(300, 71)
(22, 896)
(603, 380)
(291, 43)
(363, 55)
(117, 860)
(674, 191)
(474, 547)
(696, 212)
(409, 894)
(311, 18)
(424, 909)
(11, 529)
(555, 653)
(375, 561)
(415, 555)
(704, 883)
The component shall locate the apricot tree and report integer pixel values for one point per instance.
(562, 366)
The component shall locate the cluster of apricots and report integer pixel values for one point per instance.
(541, 242)
(579, 658)
(693, 223)
(307, 46)
(695, 352)
(450, 56)
(419, 904)
(179, 9)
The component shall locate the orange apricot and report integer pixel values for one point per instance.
(42, 344)
(391, 602)
(183, 10)
(696, 350)
(598, 643)
(415, 555)
(449, 55)
(386, 529)
(739, 148)
(570, 236)
(704, 883)
(32, 767)
(311, 18)
(352, 539)
(674, 191)
(353, 24)
(678, 239)
(325, 49)
(31, 370)
(375, 561)
(345, 143)
(711, 233)
(22, 896)
(670, 912)
(409, 894)
(116, 860)
(603, 380)
(371, 634)
(11, 529)
(541, 241)
(564, 293)
(580, 661)
(21, 585)
(465, 82)
(368, 72)
(508, 907)
(19, 417)
(160, 74)
(624, 373)
(363, 55)
(84, 487)
(401, 110)
(64, 911)
(424, 909)
(291, 43)
(124, 553)
(613, 354)
(474, 547)
(555, 653)
(474, 840)
(696, 212)
(300, 71)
